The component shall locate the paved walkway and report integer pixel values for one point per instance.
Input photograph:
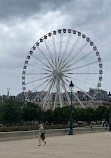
(90, 145)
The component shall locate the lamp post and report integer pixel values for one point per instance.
(71, 86)
(109, 95)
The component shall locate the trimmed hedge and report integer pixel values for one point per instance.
(28, 128)
(17, 128)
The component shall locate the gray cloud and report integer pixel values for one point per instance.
(22, 23)
(26, 8)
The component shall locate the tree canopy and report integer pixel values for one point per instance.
(13, 113)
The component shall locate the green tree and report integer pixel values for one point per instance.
(65, 114)
(10, 112)
(48, 116)
(102, 113)
(58, 115)
(90, 115)
(31, 112)
(79, 114)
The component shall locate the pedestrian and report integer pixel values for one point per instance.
(110, 127)
(92, 126)
(41, 134)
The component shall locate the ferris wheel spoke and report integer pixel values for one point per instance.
(67, 45)
(52, 60)
(75, 55)
(38, 79)
(77, 98)
(67, 96)
(60, 100)
(85, 56)
(55, 100)
(48, 92)
(39, 86)
(82, 58)
(66, 79)
(72, 49)
(54, 47)
(65, 76)
(49, 76)
(38, 67)
(60, 48)
(83, 92)
(91, 81)
(91, 84)
(79, 51)
(70, 52)
(37, 73)
(31, 82)
(41, 62)
(48, 70)
(65, 50)
(56, 95)
(46, 56)
(44, 83)
(80, 66)
(84, 73)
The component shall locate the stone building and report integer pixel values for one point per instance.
(100, 99)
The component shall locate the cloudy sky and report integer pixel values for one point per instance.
(23, 22)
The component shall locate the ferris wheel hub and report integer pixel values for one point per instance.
(57, 73)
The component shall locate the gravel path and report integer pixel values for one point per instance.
(90, 145)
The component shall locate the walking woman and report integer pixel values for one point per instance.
(41, 134)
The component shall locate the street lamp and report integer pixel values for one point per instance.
(109, 95)
(71, 86)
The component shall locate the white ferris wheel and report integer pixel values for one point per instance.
(53, 61)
